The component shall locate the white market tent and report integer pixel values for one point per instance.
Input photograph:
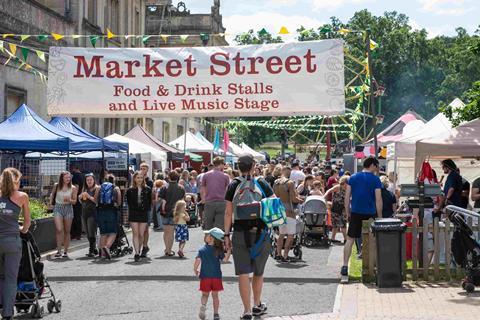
(145, 151)
(257, 155)
(462, 145)
(230, 157)
(401, 154)
(193, 143)
(235, 149)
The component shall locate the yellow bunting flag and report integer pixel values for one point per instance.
(183, 38)
(7, 35)
(164, 37)
(76, 36)
(24, 37)
(41, 55)
(1, 46)
(373, 45)
(110, 34)
(28, 67)
(344, 31)
(13, 48)
(57, 36)
(283, 30)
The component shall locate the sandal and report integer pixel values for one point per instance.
(180, 254)
(171, 254)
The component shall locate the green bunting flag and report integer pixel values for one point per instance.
(93, 40)
(145, 39)
(24, 53)
(263, 32)
(42, 37)
(325, 30)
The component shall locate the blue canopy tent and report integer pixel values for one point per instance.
(68, 125)
(25, 131)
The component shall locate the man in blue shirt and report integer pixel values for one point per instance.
(363, 200)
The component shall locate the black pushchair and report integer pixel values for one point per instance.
(121, 245)
(465, 247)
(32, 285)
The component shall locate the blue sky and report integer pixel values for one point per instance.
(436, 16)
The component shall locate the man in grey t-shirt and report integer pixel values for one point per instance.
(214, 187)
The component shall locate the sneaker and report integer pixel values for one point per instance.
(90, 254)
(65, 255)
(106, 253)
(95, 251)
(246, 316)
(278, 257)
(286, 260)
(216, 316)
(344, 271)
(201, 313)
(58, 254)
(136, 258)
(144, 252)
(259, 310)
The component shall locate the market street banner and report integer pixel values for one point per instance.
(303, 78)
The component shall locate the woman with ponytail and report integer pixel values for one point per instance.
(12, 204)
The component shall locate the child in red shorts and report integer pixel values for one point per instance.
(208, 259)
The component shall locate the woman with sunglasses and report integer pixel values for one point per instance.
(88, 199)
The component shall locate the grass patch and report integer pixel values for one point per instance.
(355, 266)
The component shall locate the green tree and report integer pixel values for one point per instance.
(471, 111)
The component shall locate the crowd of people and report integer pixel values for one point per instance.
(212, 197)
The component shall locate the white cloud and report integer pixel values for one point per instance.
(272, 22)
(284, 3)
(433, 31)
(447, 7)
(329, 5)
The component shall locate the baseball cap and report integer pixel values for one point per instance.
(246, 159)
(217, 233)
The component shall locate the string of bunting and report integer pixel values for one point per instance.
(12, 58)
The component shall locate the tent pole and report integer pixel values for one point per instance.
(185, 143)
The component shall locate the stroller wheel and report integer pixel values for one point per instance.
(58, 306)
(469, 287)
(50, 305)
(308, 242)
(37, 311)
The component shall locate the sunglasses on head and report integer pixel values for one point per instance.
(89, 175)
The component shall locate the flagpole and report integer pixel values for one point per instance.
(185, 143)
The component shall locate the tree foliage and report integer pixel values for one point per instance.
(471, 111)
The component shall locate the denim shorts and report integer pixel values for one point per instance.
(64, 211)
(168, 221)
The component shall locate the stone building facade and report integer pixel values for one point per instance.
(88, 17)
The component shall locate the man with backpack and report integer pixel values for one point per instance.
(285, 190)
(249, 242)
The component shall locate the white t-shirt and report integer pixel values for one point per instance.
(297, 176)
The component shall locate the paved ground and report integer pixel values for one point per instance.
(165, 288)
(414, 301)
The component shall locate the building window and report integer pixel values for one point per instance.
(94, 124)
(179, 130)
(14, 98)
(111, 126)
(148, 125)
(166, 131)
(115, 16)
(92, 11)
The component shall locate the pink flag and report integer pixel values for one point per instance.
(226, 141)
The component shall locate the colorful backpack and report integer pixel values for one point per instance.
(106, 195)
(274, 213)
(247, 200)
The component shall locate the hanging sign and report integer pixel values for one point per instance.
(303, 78)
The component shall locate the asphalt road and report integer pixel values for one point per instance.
(165, 288)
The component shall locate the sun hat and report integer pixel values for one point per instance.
(217, 233)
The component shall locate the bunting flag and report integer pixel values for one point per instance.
(42, 38)
(25, 52)
(110, 34)
(325, 30)
(344, 31)
(164, 37)
(226, 141)
(373, 45)
(57, 36)
(76, 36)
(283, 30)
(13, 48)
(1, 46)
(183, 38)
(145, 39)
(24, 37)
(216, 140)
(41, 55)
(263, 32)
(93, 40)
(5, 35)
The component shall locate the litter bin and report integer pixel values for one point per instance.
(388, 233)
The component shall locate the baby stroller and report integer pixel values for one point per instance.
(314, 213)
(193, 212)
(465, 248)
(121, 245)
(296, 244)
(32, 285)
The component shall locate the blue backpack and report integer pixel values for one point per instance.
(106, 195)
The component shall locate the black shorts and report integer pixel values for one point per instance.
(355, 224)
